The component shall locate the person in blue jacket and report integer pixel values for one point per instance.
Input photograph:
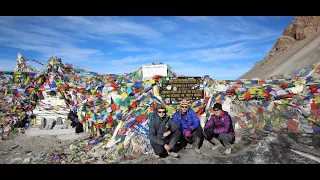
(192, 133)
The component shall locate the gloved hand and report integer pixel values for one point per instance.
(187, 133)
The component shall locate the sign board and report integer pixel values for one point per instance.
(176, 89)
(148, 71)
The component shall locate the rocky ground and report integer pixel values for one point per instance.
(33, 146)
(28, 149)
(271, 149)
(259, 149)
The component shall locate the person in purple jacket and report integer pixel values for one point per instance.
(219, 129)
(189, 126)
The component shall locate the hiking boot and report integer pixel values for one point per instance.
(197, 150)
(227, 151)
(173, 154)
(216, 147)
(189, 146)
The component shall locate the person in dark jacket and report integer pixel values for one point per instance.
(164, 133)
(189, 126)
(219, 128)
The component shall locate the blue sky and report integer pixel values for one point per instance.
(224, 47)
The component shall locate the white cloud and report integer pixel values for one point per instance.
(198, 19)
(196, 58)
(216, 31)
(46, 41)
(190, 38)
(106, 67)
(60, 36)
(213, 71)
(193, 63)
(129, 63)
(232, 52)
(101, 26)
(117, 40)
(78, 20)
(176, 64)
(197, 62)
(165, 25)
(240, 24)
(112, 43)
(68, 53)
(132, 48)
(135, 59)
(262, 18)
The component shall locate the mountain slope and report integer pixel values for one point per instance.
(298, 47)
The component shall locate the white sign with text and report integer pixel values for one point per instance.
(148, 71)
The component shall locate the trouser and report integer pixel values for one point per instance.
(196, 138)
(171, 140)
(225, 138)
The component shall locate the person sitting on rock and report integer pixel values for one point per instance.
(164, 133)
(189, 126)
(219, 128)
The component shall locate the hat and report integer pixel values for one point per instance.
(161, 106)
(184, 102)
(217, 106)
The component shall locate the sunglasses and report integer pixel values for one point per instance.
(184, 106)
(161, 112)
